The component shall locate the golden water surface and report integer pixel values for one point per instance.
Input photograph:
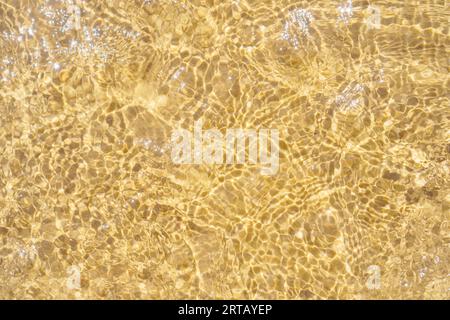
(93, 207)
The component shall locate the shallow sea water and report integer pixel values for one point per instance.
(92, 206)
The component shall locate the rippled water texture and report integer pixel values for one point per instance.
(92, 206)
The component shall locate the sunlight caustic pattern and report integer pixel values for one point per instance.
(92, 205)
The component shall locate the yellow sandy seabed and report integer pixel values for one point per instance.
(93, 207)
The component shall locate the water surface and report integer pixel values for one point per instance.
(93, 207)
